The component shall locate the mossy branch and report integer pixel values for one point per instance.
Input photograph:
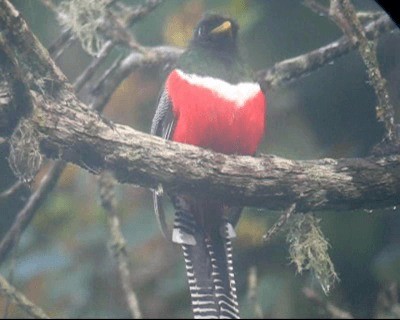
(344, 14)
(21, 301)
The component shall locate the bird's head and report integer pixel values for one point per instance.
(216, 31)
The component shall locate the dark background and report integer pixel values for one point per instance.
(63, 262)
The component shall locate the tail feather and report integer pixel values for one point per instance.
(209, 268)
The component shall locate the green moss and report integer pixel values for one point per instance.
(308, 249)
(25, 158)
(84, 18)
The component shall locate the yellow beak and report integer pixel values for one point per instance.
(223, 27)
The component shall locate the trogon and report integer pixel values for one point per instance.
(210, 100)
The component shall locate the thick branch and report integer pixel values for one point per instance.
(71, 131)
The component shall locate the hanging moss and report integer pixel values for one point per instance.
(84, 18)
(25, 158)
(308, 249)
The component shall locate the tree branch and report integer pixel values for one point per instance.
(292, 69)
(11, 190)
(23, 302)
(118, 244)
(333, 310)
(283, 219)
(26, 214)
(71, 131)
(343, 13)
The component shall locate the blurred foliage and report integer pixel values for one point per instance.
(63, 262)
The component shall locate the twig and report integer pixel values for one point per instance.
(252, 293)
(279, 224)
(316, 7)
(292, 69)
(11, 277)
(132, 17)
(106, 85)
(366, 16)
(333, 310)
(89, 71)
(27, 212)
(343, 13)
(15, 187)
(388, 304)
(142, 11)
(118, 244)
(322, 10)
(64, 40)
(21, 301)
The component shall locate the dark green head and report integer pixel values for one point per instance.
(216, 32)
(213, 50)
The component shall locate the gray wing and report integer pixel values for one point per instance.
(162, 126)
(163, 120)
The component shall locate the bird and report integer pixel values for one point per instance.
(211, 100)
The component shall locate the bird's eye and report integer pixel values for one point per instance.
(200, 32)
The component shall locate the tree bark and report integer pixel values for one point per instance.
(68, 130)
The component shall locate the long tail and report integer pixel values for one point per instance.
(209, 268)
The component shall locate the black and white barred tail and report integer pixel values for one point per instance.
(209, 268)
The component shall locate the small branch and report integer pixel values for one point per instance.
(10, 279)
(156, 56)
(58, 47)
(21, 301)
(292, 69)
(11, 190)
(27, 212)
(118, 244)
(131, 18)
(388, 304)
(343, 13)
(94, 64)
(139, 12)
(252, 293)
(273, 231)
(333, 310)
(318, 8)
(366, 16)
(64, 40)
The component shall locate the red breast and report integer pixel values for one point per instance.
(212, 113)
